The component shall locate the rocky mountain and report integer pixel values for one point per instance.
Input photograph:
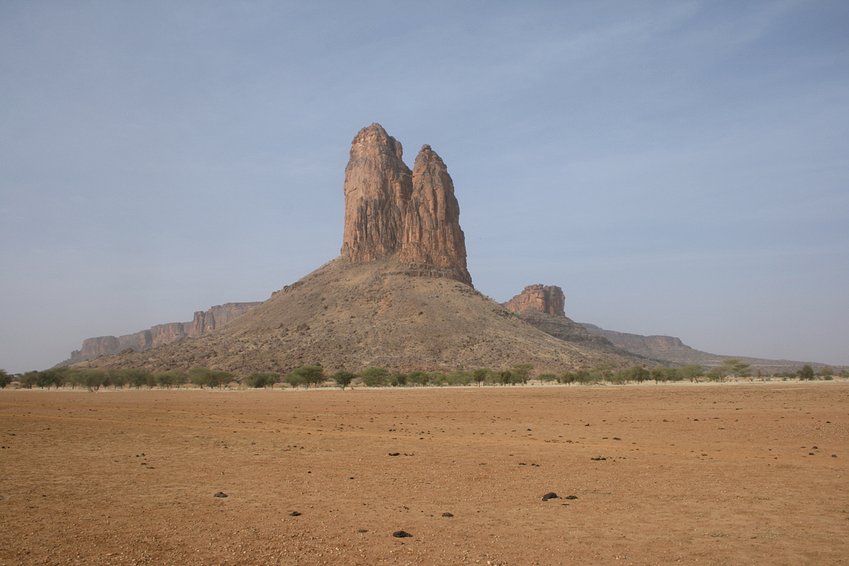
(202, 323)
(399, 296)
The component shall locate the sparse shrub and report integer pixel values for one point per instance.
(204, 377)
(547, 378)
(806, 373)
(309, 374)
(437, 378)
(417, 378)
(294, 379)
(29, 379)
(343, 378)
(522, 373)
(505, 377)
(481, 375)
(4, 378)
(93, 379)
(374, 377)
(398, 380)
(261, 380)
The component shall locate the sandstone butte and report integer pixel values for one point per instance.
(399, 296)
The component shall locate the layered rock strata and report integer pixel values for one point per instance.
(390, 210)
(548, 299)
(202, 323)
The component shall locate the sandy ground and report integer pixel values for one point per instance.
(729, 474)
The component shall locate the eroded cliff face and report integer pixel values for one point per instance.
(377, 189)
(202, 323)
(391, 210)
(548, 299)
(432, 235)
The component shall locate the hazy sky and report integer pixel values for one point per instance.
(677, 167)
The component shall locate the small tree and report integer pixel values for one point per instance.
(505, 377)
(261, 380)
(806, 373)
(4, 378)
(736, 368)
(309, 374)
(343, 378)
(374, 377)
(417, 378)
(522, 373)
(294, 379)
(480, 375)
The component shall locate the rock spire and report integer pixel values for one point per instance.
(392, 211)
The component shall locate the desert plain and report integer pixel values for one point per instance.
(650, 474)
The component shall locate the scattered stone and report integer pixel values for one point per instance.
(401, 534)
(362, 530)
(598, 458)
(447, 514)
(220, 494)
(549, 495)
(394, 453)
(571, 497)
(295, 514)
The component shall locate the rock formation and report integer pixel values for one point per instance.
(377, 189)
(202, 323)
(544, 308)
(390, 210)
(432, 235)
(548, 299)
(399, 297)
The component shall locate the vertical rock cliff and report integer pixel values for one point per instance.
(391, 211)
(377, 188)
(548, 299)
(432, 235)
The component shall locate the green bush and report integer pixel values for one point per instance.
(306, 375)
(5, 378)
(261, 380)
(204, 377)
(343, 378)
(417, 378)
(374, 377)
(806, 373)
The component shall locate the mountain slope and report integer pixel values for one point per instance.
(351, 316)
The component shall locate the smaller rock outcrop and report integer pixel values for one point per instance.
(548, 299)
(544, 307)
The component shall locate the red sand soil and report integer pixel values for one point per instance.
(720, 474)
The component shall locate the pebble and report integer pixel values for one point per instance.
(401, 534)
(447, 514)
(394, 453)
(549, 495)
(220, 494)
(295, 514)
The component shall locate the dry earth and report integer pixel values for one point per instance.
(728, 474)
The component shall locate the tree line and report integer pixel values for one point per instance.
(314, 375)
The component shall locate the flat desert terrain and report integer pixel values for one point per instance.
(713, 474)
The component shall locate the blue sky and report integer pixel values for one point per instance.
(677, 167)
